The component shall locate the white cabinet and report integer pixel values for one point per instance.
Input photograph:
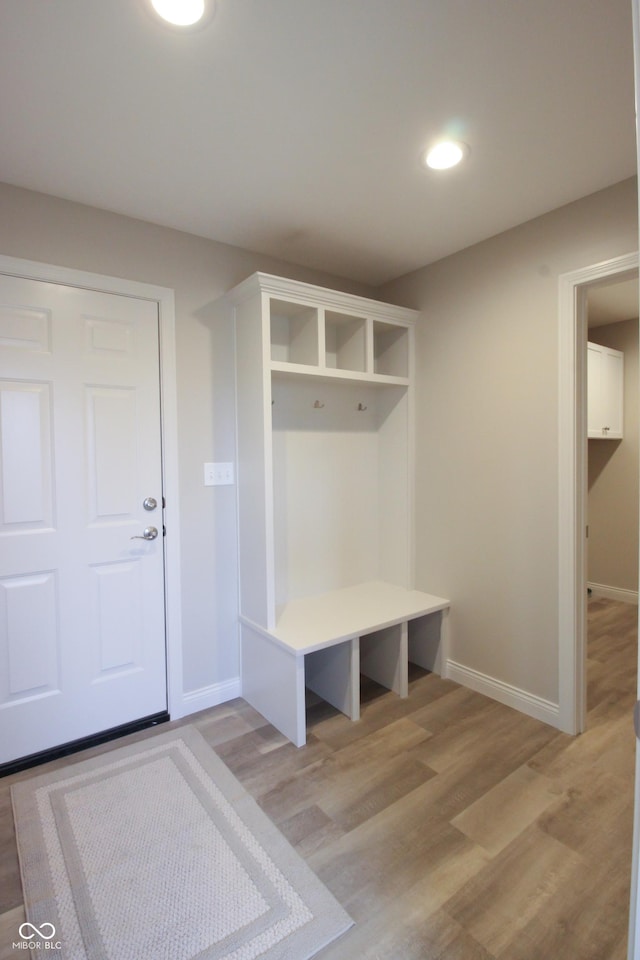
(325, 496)
(605, 386)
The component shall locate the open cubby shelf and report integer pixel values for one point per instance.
(314, 338)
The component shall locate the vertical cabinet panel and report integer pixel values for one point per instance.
(594, 390)
(613, 392)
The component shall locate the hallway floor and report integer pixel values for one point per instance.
(449, 826)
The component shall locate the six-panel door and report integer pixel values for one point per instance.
(82, 639)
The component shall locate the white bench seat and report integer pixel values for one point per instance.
(326, 642)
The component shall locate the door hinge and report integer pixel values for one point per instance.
(636, 718)
(164, 530)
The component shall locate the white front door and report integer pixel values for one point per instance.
(82, 634)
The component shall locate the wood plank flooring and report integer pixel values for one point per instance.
(449, 826)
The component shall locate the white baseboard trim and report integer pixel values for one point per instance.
(505, 693)
(210, 696)
(613, 593)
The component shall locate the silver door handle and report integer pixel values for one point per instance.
(149, 533)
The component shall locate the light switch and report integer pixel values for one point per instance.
(217, 474)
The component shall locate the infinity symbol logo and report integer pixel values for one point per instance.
(40, 932)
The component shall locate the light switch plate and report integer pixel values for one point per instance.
(217, 474)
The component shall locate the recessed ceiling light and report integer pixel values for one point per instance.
(445, 154)
(180, 13)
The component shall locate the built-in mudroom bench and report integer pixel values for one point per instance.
(325, 500)
(325, 643)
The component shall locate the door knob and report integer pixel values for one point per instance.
(150, 503)
(149, 533)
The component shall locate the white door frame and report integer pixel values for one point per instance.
(164, 297)
(572, 455)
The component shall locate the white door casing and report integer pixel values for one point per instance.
(572, 435)
(77, 645)
(572, 480)
(633, 942)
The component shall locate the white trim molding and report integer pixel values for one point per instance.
(613, 593)
(505, 693)
(164, 297)
(572, 482)
(211, 696)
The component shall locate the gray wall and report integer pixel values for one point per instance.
(613, 477)
(487, 427)
(487, 457)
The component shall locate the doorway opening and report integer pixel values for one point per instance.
(575, 289)
(613, 462)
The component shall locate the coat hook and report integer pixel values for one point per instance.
(362, 406)
(318, 405)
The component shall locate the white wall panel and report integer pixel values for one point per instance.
(112, 452)
(117, 616)
(25, 439)
(326, 487)
(25, 328)
(29, 635)
(108, 336)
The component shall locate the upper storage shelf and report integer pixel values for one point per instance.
(293, 333)
(345, 342)
(313, 331)
(390, 350)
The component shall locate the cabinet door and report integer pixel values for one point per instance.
(595, 416)
(605, 384)
(612, 386)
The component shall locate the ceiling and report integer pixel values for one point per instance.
(612, 303)
(294, 128)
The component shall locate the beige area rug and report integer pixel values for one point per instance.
(156, 852)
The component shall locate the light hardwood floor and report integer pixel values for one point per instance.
(449, 826)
